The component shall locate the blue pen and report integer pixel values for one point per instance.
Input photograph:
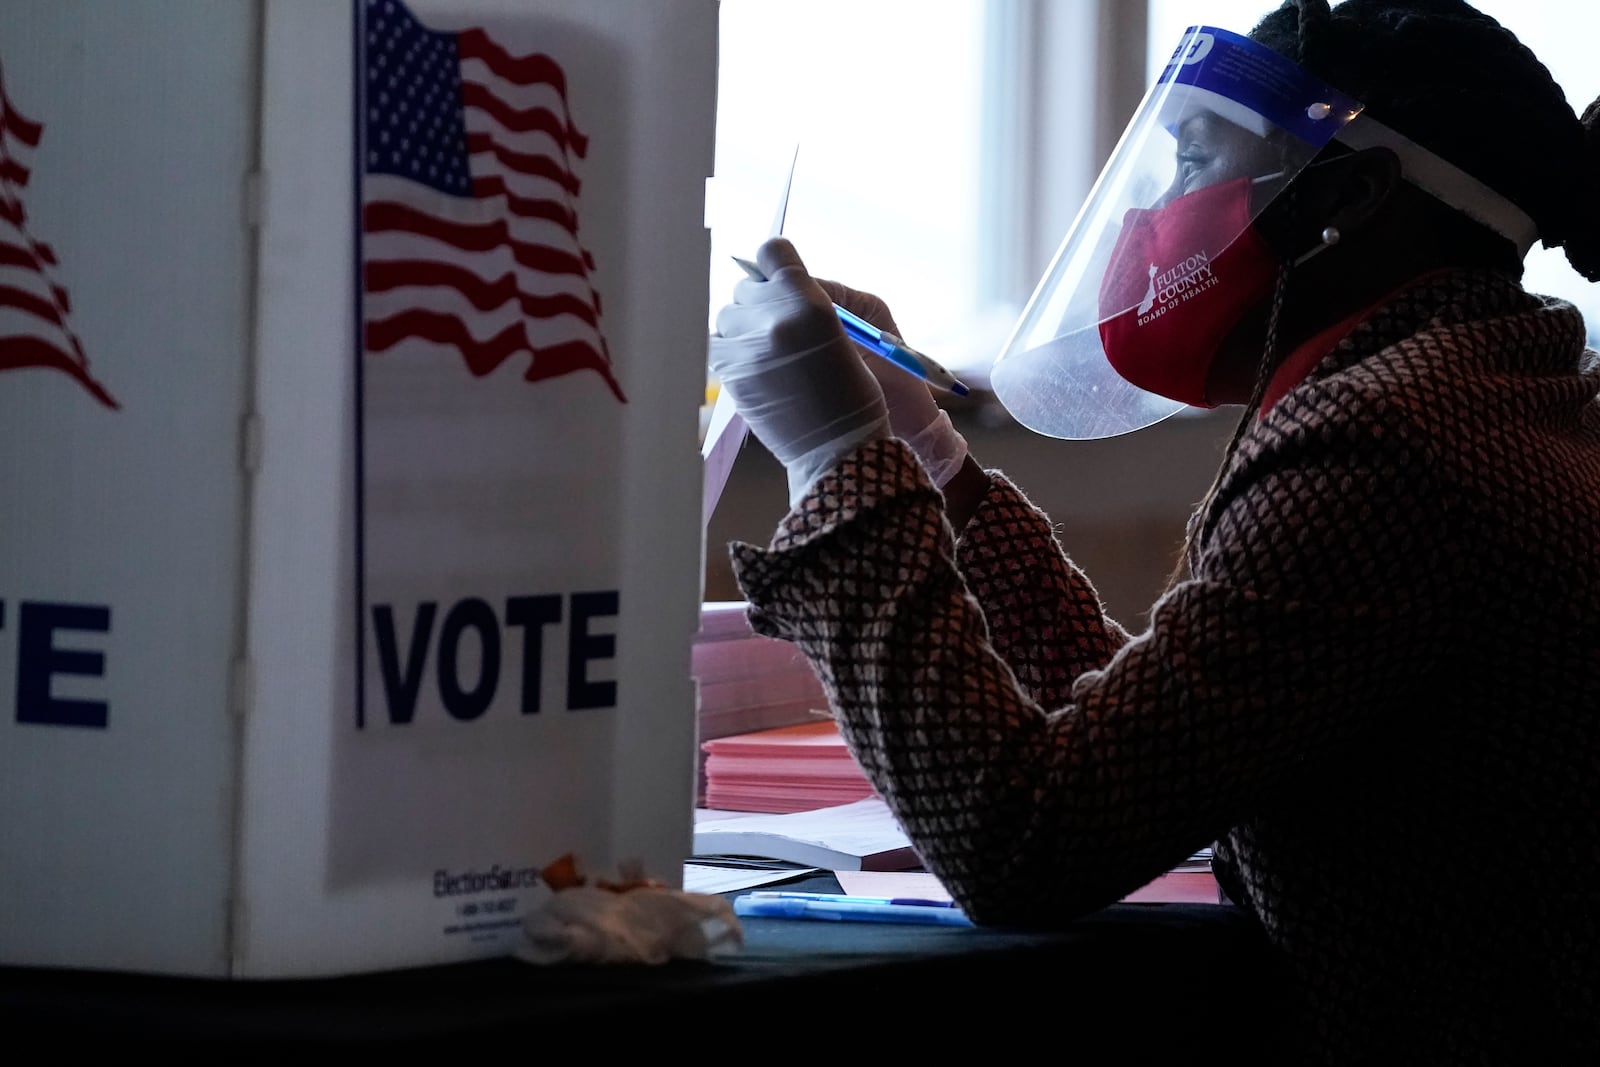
(751, 906)
(778, 894)
(882, 343)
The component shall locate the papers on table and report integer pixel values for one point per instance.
(748, 682)
(860, 836)
(713, 878)
(786, 769)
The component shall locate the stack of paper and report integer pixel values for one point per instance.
(862, 836)
(1190, 882)
(748, 682)
(791, 768)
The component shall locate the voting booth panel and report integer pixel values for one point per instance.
(350, 365)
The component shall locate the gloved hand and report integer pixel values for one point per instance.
(914, 417)
(793, 374)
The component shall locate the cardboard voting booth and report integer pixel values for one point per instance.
(350, 363)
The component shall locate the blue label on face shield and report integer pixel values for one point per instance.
(1248, 83)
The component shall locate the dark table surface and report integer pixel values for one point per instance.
(1141, 979)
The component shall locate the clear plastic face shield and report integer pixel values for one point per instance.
(1147, 269)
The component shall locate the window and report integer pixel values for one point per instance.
(877, 105)
(923, 128)
(1169, 18)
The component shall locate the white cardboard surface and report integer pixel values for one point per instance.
(234, 815)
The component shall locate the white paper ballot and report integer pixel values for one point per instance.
(724, 435)
(726, 431)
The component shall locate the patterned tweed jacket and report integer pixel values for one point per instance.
(1379, 694)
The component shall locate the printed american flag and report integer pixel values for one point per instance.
(34, 331)
(470, 203)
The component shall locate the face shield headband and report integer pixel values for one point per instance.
(1445, 182)
(1163, 260)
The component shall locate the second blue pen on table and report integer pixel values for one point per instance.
(780, 894)
(797, 906)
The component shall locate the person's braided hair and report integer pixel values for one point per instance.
(1455, 81)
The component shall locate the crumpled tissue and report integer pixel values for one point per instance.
(637, 920)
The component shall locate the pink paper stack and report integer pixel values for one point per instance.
(791, 768)
(748, 683)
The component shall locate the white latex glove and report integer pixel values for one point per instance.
(914, 417)
(795, 378)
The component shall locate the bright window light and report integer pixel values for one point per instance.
(1562, 35)
(1169, 18)
(883, 101)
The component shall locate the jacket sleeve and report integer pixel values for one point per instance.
(1044, 617)
(1298, 632)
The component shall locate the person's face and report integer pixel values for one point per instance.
(1210, 149)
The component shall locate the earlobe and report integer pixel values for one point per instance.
(1369, 180)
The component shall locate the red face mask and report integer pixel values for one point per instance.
(1180, 278)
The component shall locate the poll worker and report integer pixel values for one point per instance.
(1375, 685)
